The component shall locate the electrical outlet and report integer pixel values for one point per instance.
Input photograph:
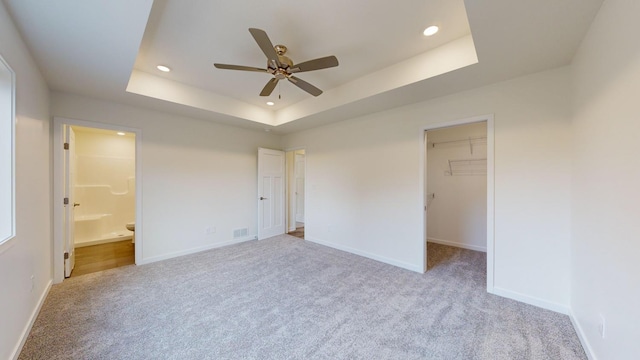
(210, 230)
(601, 326)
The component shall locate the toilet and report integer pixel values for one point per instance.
(132, 227)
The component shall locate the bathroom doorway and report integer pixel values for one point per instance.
(95, 172)
(104, 199)
(296, 173)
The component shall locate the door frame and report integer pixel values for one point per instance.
(58, 188)
(490, 188)
(286, 151)
(69, 193)
(297, 190)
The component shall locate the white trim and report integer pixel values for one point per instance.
(296, 148)
(32, 319)
(12, 221)
(195, 250)
(582, 337)
(490, 188)
(422, 183)
(58, 189)
(559, 308)
(292, 229)
(457, 244)
(369, 255)
(491, 183)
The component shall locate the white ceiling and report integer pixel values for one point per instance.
(109, 50)
(364, 41)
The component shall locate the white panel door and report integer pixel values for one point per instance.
(69, 194)
(271, 211)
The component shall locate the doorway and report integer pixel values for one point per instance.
(459, 187)
(103, 199)
(296, 173)
(97, 217)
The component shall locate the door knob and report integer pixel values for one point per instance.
(75, 204)
(263, 198)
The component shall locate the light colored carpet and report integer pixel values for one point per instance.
(284, 298)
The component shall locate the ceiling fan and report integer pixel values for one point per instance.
(281, 67)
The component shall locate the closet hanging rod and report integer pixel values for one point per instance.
(433, 144)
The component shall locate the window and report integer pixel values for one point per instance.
(7, 155)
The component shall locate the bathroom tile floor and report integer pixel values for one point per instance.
(95, 258)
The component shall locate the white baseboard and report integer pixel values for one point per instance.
(531, 300)
(457, 244)
(581, 336)
(32, 320)
(292, 229)
(376, 257)
(195, 250)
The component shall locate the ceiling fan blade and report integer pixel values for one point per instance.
(239, 67)
(268, 89)
(261, 37)
(304, 86)
(316, 64)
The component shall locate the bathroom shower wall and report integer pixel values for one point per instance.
(105, 186)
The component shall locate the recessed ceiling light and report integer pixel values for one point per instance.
(270, 103)
(163, 68)
(430, 30)
(120, 133)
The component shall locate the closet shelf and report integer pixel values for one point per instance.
(471, 141)
(478, 140)
(467, 167)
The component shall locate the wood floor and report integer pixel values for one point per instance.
(94, 258)
(298, 232)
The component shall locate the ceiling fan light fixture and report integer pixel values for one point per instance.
(431, 30)
(163, 68)
(281, 67)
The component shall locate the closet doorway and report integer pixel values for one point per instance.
(296, 173)
(458, 192)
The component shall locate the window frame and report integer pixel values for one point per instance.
(10, 128)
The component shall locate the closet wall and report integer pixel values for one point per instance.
(457, 186)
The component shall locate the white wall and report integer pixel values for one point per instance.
(29, 253)
(606, 183)
(195, 175)
(364, 184)
(457, 213)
